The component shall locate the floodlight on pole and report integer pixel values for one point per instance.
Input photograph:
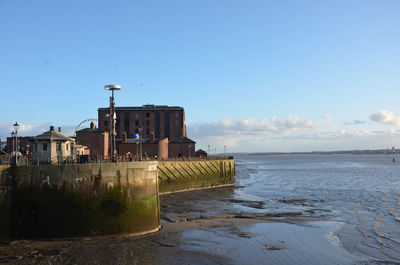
(112, 119)
(15, 133)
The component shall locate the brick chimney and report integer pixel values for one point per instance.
(51, 128)
(59, 129)
(92, 125)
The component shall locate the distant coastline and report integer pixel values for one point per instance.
(342, 152)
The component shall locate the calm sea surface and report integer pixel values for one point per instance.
(354, 198)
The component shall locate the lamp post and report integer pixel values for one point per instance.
(140, 143)
(15, 134)
(112, 121)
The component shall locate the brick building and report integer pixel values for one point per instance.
(25, 145)
(162, 130)
(95, 139)
(148, 148)
(150, 121)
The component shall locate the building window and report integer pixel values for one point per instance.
(106, 123)
(126, 125)
(147, 123)
(176, 122)
(147, 114)
(147, 131)
(67, 147)
(176, 114)
(158, 124)
(166, 124)
(58, 146)
(44, 146)
(136, 123)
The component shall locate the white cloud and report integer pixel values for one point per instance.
(251, 126)
(327, 120)
(385, 117)
(235, 132)
(354, 122)
(292, 133)
(30, 129)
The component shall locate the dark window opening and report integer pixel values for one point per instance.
(147, 115)
(147, 131)
(147, 123)
(127, 127)
(105, 123)
(136, 123)
(158, 124)
(44, 146)
(166, 124)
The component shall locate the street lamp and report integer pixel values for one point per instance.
(15, 134)
(112, 120)
(140, 143)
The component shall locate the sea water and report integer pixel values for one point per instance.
(352, 201)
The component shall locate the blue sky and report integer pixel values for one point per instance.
(252, 75)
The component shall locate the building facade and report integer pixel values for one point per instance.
(95, 139)
(52, 147)
(149, 121)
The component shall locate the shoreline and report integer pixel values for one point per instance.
(191, 224)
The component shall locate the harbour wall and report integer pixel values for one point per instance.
(79, 199)
(185, 175)
(97, 198)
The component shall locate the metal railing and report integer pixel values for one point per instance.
(85, 159)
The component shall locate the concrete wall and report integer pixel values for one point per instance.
(94, 199)
(81, 199)
(5, 200)
(183, 175)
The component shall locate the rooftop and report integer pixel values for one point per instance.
(53, 135)
(145, 107)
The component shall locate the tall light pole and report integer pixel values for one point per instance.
(225, 150)
(15, 133)
(140, 143)
(112, 121)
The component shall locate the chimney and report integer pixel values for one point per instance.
(59, 129)
(92, 125)
(51, 128)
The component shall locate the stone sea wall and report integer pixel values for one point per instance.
(81, 199)
(41, 201)
(185, 175)
(5, 201)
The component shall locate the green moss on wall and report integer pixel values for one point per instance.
(176, 176)
(49, 212)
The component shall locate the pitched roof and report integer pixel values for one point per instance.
(182, 139)
(53, 135)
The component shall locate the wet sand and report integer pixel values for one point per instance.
(204, 227)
